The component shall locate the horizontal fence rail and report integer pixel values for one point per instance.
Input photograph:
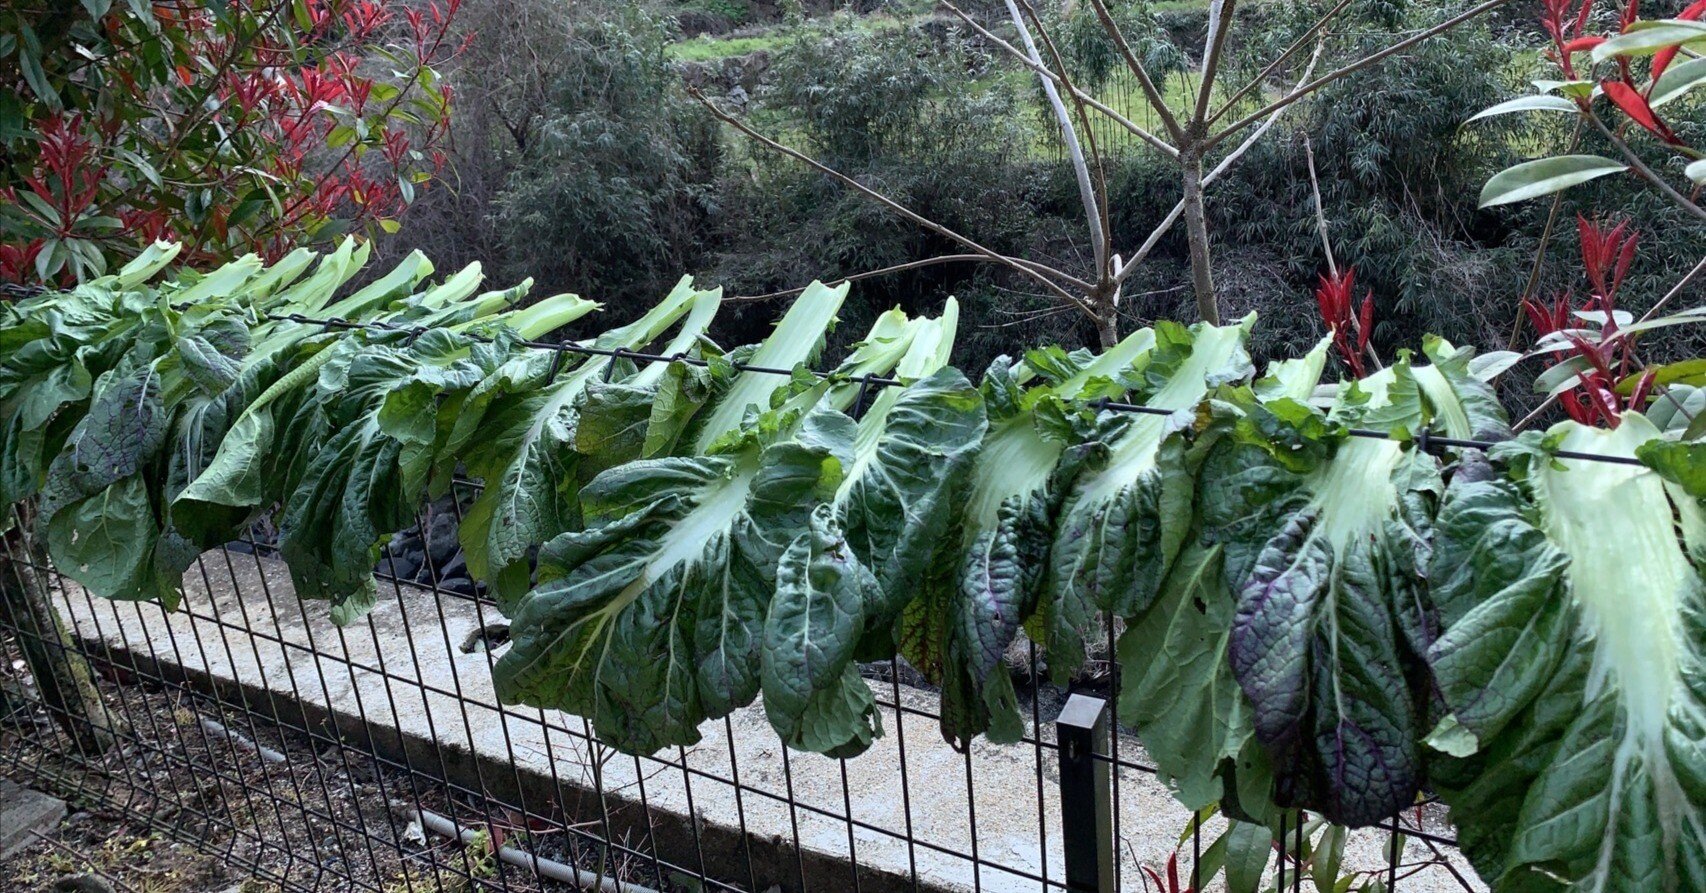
(375, 756)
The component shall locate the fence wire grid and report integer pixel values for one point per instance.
(374, 757)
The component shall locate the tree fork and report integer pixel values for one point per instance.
(61, 672)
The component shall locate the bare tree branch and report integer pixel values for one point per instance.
(1352, 68)
(1320, 210)
(1196, 235)
(868, 274)
(1529, 419)
(1540, 250)
(1068, 134)
(1220, 14)
(1221, 168)
(1646, 172)
(1157, 100)
(1327, 243)
(1157, 142)
(1044, 275)
(1279, 60)
(1104, 269)
(1674, 290)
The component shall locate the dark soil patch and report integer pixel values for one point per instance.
(178, 807)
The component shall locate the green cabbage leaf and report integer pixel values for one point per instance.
(1571, 662)
(1126, 514)
(651, 620)
(1177, 689)
(970, 609)
(842, 584)
(1285, 641)
(516, 432)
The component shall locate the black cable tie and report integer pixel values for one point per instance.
(1424, 439)
(556, 366)
(863, 395)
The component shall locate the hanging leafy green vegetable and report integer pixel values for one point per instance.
(1324, 569)
(1126, 514)
(365, 413)
(377, 420)
(1284, 644)
(651, 620)
(1177, 687)
(151, 357)
(970, 608)
(842, 584)
(52, 348)
(265, 428)
(1572, 663)
(516, 431)
(366, 436)
(100, 500)
(230, 439)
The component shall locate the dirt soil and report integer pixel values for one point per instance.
(180, 808)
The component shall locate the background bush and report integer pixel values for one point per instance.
(581, 161)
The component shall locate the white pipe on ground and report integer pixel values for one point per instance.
(543, 867)
(444, 827)
(266, 753)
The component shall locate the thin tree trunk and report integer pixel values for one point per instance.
(1106, 302)
(62, 675)
(1196, 231)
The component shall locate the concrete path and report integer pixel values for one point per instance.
(23, 814)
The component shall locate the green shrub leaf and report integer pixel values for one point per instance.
(1544, 177)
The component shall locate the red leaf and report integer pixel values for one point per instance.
(1365, 320)
(1591, 353)
(1635, 106)
(1661, 61)
(1604, 403)
(1575, 408)
(1643, 387)
(1583, 44)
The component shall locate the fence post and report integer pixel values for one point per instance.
(1086, 814)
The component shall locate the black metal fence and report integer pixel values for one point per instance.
(374, 757)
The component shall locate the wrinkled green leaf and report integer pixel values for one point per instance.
(1573, 622)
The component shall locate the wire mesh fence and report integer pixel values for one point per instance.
(375, 757)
